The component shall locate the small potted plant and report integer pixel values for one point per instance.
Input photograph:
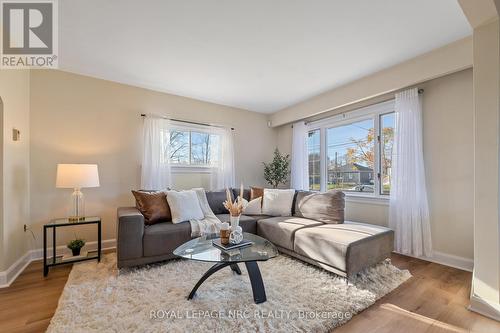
(76, 245)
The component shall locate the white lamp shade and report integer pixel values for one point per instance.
(77, 175)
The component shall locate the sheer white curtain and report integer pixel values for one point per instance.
(409, 210)
(155, 171)
(299, 179)
(223, 174)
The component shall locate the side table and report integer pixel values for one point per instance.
(65, 222)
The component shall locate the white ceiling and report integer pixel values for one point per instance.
(260, 55)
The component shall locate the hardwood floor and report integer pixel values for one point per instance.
(434, 300)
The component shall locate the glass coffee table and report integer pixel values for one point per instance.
(201, 249)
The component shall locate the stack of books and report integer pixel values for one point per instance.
(244, 243)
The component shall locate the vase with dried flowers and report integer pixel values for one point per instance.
(235, 207)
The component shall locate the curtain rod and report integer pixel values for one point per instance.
(190, 122)
(420, 92)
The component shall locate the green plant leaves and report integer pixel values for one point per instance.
(278, 170)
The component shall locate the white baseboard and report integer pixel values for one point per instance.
(8, 276)
(462, 263)
(450, 260)
(483, 307)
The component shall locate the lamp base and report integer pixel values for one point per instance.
(76, 218)
(77, 206)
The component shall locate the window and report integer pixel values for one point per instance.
(179, 147)
(194, 148)
(313, 147)
(350, 156)
(352, 151)
(387, 122)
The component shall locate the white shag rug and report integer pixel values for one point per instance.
(300, 297)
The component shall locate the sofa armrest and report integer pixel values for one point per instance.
(130, 230)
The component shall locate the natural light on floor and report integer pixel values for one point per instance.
(412, 315)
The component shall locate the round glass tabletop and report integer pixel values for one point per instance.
(202, 249)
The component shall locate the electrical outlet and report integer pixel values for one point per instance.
(16, 134)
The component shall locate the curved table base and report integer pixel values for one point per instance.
(259, 292)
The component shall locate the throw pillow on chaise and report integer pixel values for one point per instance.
(327, 207)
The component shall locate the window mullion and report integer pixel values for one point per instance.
(377, 158)
(189, 144)
(323, 161)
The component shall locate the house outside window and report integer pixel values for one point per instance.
(352, 151)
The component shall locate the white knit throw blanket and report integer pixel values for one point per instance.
(210, 224)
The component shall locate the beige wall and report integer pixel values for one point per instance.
(486, 282)
(448, 152)
(445, 60)
(14, 92)
(78, 119)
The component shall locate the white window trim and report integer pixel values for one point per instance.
(185, 168)
(369, 199)
(370, 112)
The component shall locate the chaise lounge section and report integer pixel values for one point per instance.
(342, 248)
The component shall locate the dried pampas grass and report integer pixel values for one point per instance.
(235, 208)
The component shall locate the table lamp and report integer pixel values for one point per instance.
(77, 176)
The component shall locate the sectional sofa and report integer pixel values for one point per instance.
(344, 248)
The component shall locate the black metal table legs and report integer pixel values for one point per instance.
(235, 268)
(259, 292)
(207, 274)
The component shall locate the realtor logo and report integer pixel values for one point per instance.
(29, 34)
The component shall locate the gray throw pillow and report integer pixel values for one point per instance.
(299, 195)
(327, 207)
(216, 201)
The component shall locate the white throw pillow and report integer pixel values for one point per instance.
(253, 207)
(184, 206)
(277, 202)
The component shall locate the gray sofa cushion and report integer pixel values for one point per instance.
(247, 223)
(348, 247)
(163, 238)
(216, 199)
(280, 230)
(326, 207)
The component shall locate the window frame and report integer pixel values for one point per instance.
(191, 168)
(374, 112)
